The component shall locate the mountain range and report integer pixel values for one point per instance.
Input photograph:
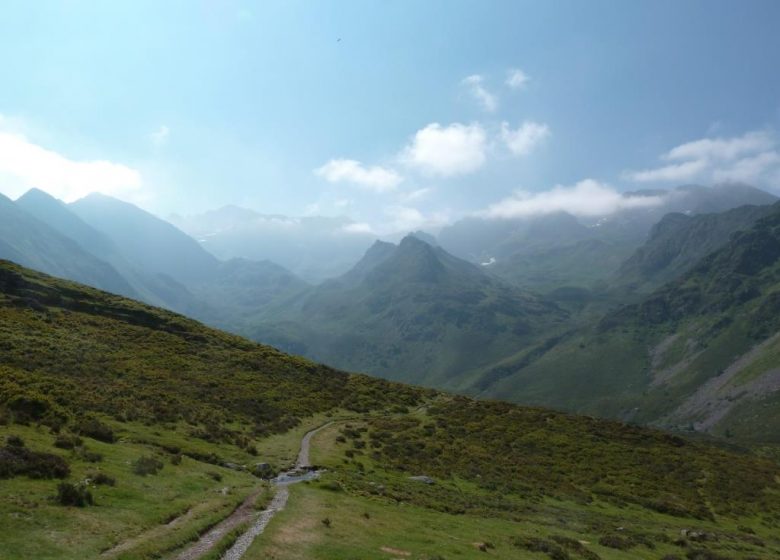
(536, 322)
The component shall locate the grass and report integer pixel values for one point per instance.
(33, 526)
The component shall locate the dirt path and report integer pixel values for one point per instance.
(303, 454)
(242, 514)
(246, 513)
(243, 542)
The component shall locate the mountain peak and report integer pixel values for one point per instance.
(38, 195)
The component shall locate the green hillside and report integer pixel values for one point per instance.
(700, 353)
(151, 428)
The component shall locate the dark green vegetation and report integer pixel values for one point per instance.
(699, 353)
(58, 340)
(537, 453)
(412, 313)
(679, 241)
(159, 419)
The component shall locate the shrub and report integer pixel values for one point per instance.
(16, 460)
(90, 456)
(14, 441)
(176, 459)
(534, 544)
(147, 465)
(73, 495)
(326, 522)
(101, 479)
(617, 542)
(215, 476)
(64, 441)
(95, 429)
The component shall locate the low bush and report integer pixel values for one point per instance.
(101, 479)
(95, 429)
(617, 542)
(146, 465)
(66, 441)
(535, 544)
(73, 495)
(17, 460)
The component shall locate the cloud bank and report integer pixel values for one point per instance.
(25, 165)
(752, 158)
(586, 198)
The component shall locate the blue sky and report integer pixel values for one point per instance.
(398, 113)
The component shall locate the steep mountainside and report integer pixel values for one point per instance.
(129, 432)
(679, 241)
(702, 352)
(150, 244)
(31, 242)
(149, 285)
(410, 312)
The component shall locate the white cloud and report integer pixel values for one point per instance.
(24, 165)
(375, 178)
(523, 139)
(751, 157)
(517, 79)
(456, 149)
(358, 227)
(160, 136)
(723, 148)
(586, 198)
(749, 169)
(475, 84)
(671, 173)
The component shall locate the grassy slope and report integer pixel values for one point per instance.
(547, 490)
(165, 385)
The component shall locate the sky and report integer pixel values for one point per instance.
(398, 114)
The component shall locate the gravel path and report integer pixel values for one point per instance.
(303, 454)
(242, 514)
(243, 542)
(245, 512)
